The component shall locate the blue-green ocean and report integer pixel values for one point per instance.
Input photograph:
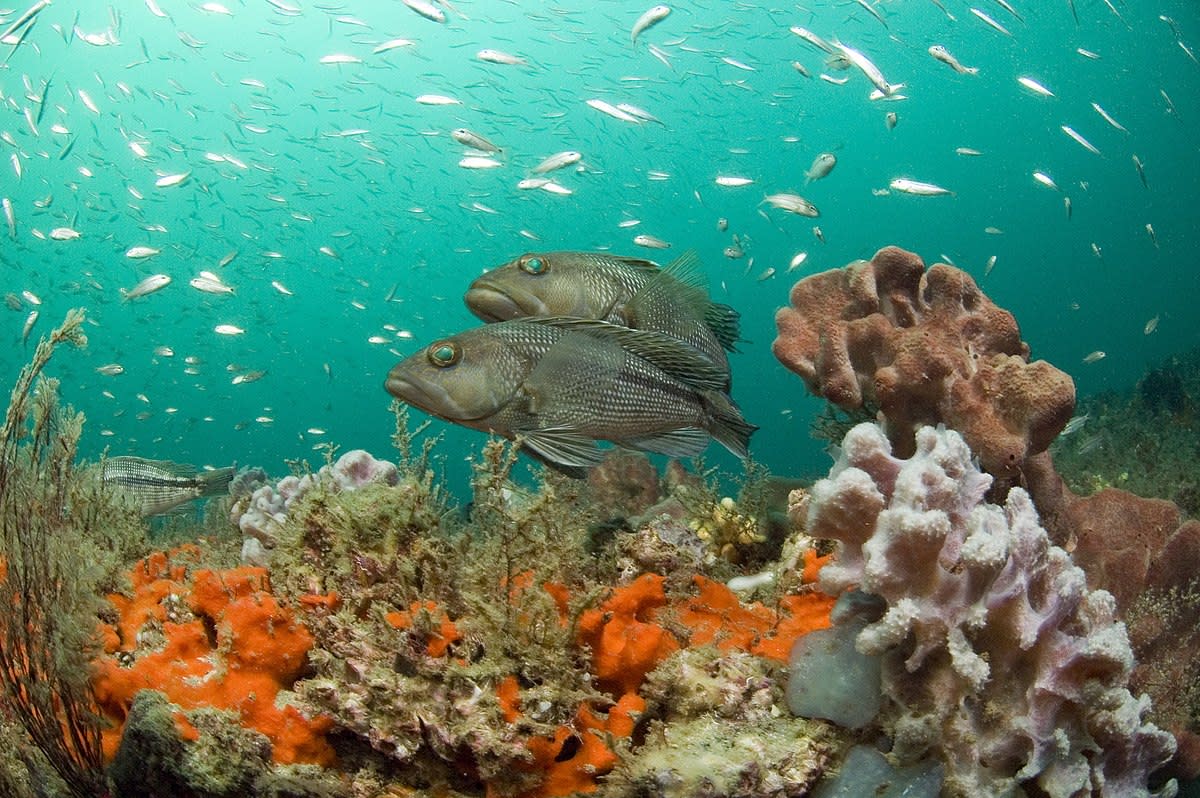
(349, 231)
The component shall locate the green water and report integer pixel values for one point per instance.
(404, 219)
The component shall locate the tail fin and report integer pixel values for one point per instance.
(726, 423)
(216, 482)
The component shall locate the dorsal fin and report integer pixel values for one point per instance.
(673, 356)
(681, 285)
(725, 323)
(684, 285)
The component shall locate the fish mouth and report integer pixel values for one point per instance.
(427, 396)
(493, 304)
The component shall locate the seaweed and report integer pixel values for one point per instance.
(833, 422)
(62, 536)
(1142, 439)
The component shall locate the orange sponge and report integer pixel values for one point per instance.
(235, 650)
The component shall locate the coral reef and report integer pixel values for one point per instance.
(490, 653)
(1138, 550)
(1164, 630)
(211, 756)
(260, 510)
(925, 347)
(1127, 544)
(996, 656)
(208, 639)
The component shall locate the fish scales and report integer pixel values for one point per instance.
(628, 291)
(559, 385)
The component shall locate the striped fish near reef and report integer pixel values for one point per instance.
(557, 385)
(161, 485)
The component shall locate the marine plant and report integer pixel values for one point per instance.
(1125, 439)
(61, 535)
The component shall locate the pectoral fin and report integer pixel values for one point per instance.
(563, 449)
(575, 375)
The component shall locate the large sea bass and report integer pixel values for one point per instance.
(627, 291)
(560, 384)
(160, 486)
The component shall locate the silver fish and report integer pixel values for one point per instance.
(559, 385)
(160, 486)
(868, 68)
(872, 11)
(1141, 170)
(650, 18)
(628, 291)
(30, 321)
(473, 140)
(793, 203)
(1108, 118)
(500, 57)
(813, 39)
(149, 285)
(942, 54)
(991, 23)
(1079, 139)
(651, 242)
(907, 186)
(822, 165)
(557, 161)
(25, 17)
(1074, 425)
(426, 9)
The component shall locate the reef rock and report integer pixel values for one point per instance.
(997, 658)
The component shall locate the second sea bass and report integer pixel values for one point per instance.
(627, 291)
(558, 385)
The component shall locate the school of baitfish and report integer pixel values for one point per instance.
(204, 171)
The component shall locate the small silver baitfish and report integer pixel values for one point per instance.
(161, 485)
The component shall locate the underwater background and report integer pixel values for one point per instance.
(330, 181)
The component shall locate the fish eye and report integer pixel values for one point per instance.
(534, 264)
(444, 354)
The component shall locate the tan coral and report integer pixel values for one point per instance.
(925, 347)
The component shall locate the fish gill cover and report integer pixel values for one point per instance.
(265, 205)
